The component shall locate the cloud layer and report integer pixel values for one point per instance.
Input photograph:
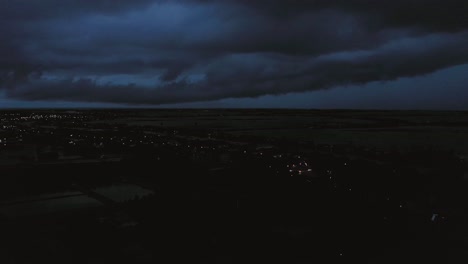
(159, 52)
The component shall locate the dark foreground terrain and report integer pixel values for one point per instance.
(233, 186)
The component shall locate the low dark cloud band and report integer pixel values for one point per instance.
(198, 50)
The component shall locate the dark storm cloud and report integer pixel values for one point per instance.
(156, 52)
(427, 14)
(44, 9)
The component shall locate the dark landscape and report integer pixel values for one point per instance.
(233, 131)
(233, 186)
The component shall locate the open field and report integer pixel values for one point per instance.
(381, 129)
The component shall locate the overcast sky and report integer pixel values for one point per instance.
(401, 54)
